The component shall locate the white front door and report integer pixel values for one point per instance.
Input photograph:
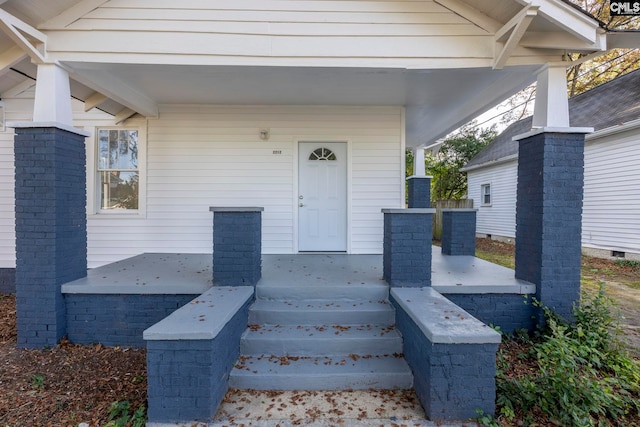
(322, 196)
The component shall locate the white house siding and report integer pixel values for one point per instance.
(7, 205)
(499, 218)
(611, 210)
(18, 107)
(611, 203)
(276, 32)
(202, 156)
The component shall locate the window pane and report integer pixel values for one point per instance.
(118, 190)
(133, 149)
(113, 153)
(103, 149)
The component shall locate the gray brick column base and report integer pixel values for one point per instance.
(51, 229)
(237, 245)
(548, 217)
(407, 247)
(419, 191)
(459, 231)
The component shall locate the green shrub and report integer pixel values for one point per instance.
(629, 263)
(584, 375)
(119, 415)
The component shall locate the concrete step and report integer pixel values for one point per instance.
(357, 292)
(321, 312)
(324, 340)
(321, 373)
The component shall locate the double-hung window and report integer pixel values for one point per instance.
(486, 194)
(118, 170)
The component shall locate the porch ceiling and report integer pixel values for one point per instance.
(437, 101)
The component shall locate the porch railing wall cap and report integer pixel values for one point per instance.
(198, 320)
(419, 176)
(459, 210)
(441, 321)
(409, 211)
(235, 209)
(61, 126)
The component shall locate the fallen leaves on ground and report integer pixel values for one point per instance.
(334, 407)
(67, 384)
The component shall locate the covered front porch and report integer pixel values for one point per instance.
(314, 322)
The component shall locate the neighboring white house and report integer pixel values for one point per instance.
(198, 103)
(611, 210)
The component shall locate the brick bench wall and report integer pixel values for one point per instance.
(507, 311)
(452, 355)
(191, 353)
(117, 320)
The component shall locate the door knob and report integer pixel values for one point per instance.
(301, 204)
(301, 197)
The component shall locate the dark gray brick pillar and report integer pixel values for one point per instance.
(407, 246)
(548, 217)
(237, 245)
(7, 280)
(51, 229)
(459, 231)
(419, 191)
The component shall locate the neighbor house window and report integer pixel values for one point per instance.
(486, 194)
(118, 171)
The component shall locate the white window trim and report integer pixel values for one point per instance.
(482, 194)
(93, 190)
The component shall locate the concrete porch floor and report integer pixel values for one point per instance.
(168, 273)
(154, 273)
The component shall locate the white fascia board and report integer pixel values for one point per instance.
(561, 40)
(568, 18)
(112, 87)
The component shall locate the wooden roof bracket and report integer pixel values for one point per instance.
(515, 30)
(30, 40)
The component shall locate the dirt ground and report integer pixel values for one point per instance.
(621, 283)
(65, 385)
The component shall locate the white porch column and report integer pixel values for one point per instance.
(418, 162)
(552, 105)
(53, 96)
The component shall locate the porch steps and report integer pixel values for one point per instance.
(321, 312)
(323, 338)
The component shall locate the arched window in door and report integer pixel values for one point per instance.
(322, 154)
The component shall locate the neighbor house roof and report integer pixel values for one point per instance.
(611, 104)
